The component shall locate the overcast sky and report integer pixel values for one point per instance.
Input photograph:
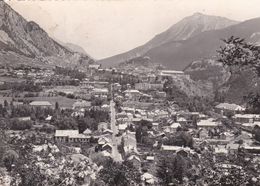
(108, 27)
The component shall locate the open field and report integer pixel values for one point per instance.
(63, 101)
(65, 89)
(11, 79)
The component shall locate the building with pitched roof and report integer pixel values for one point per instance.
(43, 104)
(70, 136)
(227, 108)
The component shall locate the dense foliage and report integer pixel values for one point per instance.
(240, 55)
(61, 119)
(193, 104)
(142, 128)
(21, 86)
(173, 169)
(73, 73)
(181, 138)
(119, 174)
(253, 102)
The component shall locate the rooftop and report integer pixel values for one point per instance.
(151, 158)
(248, 116)
(87, 131)
(252, 147)
(174, 148)
(122, 126)
(105, 90)
(171, 72)
(62, 133)
(229, 106)
(220, 150)
(208, 123)
(133, 157)
(175, 125)
(40, 103)
(131, 91)
(81, 104)
(108, 130)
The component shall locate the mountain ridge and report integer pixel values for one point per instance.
(28, 40)
(75, 48)
(178, 55)
(182, 30)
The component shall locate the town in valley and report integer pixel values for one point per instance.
(67, 119)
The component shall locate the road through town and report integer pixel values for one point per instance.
(115, 140)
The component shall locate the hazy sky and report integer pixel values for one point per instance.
(108, 27)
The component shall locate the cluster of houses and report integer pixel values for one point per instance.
(31, 73)
(203, 128)
(86, 90)
(102, 137)
(145, 100)
(165, 120)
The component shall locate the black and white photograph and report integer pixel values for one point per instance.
(129, 93)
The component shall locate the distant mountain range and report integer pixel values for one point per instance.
(26, 42)
(188, 45)
(163, 48)
(204, 45)
(191, 45)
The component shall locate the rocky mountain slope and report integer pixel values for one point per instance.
(208, 70)
(75, 48)
(238, 86)
(141, 64)
(183, 30)
(193, 88)
(230, 87)
(28, 41)
(179, 54)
